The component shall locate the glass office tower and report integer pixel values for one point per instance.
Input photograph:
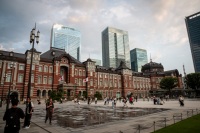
(115, 47)
(66, 38)
(193, 29)
(138, 59)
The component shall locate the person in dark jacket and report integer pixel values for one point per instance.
(49, 110)
(12, 117)
(28, 113)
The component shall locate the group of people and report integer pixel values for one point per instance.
(13, 115)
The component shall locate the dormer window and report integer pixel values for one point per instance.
(53, 53)
(11, 53)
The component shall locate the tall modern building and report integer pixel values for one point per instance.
(115, 47)
(97, 61)
(138, 59)
(193, 29)
(66, 38)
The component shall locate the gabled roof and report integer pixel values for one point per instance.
(57, 54)
(16, 56)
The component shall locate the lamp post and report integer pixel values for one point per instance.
(5, 75)
(33, 38)
(12, 65)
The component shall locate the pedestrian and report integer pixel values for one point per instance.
(181, 100)
(49, 110)
(12, 117)
(95, 100)
(105, 100)
(124, 101)
(28, 113)
(131, 100)
(88, 100)
(136, 98)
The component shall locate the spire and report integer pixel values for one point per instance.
(150, 58)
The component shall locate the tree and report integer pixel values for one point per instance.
(98, 95)
(193, 81)
(168, 83)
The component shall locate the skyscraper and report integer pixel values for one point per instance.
(138, 59)
(115, 47)
(66, 38)
(193, 29)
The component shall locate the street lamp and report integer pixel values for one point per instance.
(12, 65)
(33, 38)
(5, 75)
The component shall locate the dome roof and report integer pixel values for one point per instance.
(152, 67)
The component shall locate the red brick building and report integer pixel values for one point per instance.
(55, 69)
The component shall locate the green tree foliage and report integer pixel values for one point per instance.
(193, 81)
(168, 83)
(98, 95)
(57, 95)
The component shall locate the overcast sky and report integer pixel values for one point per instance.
(155, 25)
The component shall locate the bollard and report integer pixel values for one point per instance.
(165, 122)
(154, 126)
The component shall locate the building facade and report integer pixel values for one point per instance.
(55, 69)
(138, 59)
(115, 47)
(193, 30)
(66, 38)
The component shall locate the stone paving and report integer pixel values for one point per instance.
(125, 125)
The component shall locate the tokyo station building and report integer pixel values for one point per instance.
(55, 69)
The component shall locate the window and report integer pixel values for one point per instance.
(50, 69)
(91, 73)
(20, 78)
(80, 73)
(75, 81)
(44, 80)
(80, 82)
(32, 78)
(33, 66)
(8, 77)
(50, 80)
(40, 68)
(21, 67)
(91, 82)
(76, 72)
(45, 68)
(83, 73)
(39, 79)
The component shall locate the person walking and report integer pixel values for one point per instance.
(28, 113)
(95, 100)
(49, 110)
(12, 117)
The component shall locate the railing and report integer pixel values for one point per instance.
(152, 127)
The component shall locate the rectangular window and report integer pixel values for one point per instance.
(20, 78)
(83, 73)
(44, 80)
(80, 73)
(91, 73)
(80, 82)
(50, 69)
(45, 68)
(33, 66)
(8, 77)
(32, 78)
(91, 82)
(40, 68)
(21, 67)
(39, 79)
(75, 81)
(76, 72)
(50, 80)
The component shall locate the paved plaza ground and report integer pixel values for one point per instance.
(126, 125)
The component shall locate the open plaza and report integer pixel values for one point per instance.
(142, 116)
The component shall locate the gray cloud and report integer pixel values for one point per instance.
(157, 26)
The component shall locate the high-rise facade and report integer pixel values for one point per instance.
(66, 38)
(97, 61)
(138, 59)
(193, 29)
(115, 47)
